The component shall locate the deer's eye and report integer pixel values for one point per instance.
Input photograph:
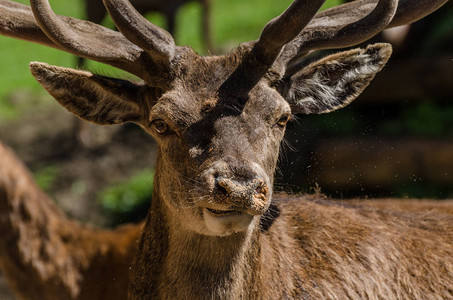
(283, 120)
(160, 126)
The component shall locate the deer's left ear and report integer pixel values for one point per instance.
(336, 80)
(92, 97)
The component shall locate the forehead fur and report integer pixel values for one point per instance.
(207, 73)
(196, 90)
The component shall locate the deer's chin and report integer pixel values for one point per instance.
(226, 223)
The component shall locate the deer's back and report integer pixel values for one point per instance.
(360, 251)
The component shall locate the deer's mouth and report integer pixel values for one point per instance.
(223, 222)
(223, 212)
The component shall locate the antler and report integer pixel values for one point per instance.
(82, 38)
(355, 22)
(17, 21)
(284, 28)
(98, 43)
(146, 50)
(154, 40)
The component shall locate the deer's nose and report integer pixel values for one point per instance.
(250, 196)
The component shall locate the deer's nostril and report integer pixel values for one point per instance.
(256, 188)
(262, 189)
(222, 187)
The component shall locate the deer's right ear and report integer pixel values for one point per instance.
(94, 98)
(336, 80)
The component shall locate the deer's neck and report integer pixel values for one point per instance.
(177, 264)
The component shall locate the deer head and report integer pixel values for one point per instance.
(218, 120)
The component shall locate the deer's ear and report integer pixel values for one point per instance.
(94, 98)
(336, 80)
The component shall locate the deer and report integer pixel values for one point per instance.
(215, 228)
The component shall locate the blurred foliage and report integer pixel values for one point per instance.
(128, 201)
(441, 31)
(419, 190)
(46, 176)
(429, 119)
(426, 119)
(341, 122)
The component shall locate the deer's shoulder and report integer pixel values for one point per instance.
(315, 215)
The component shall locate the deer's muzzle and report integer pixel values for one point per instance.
(246, 196)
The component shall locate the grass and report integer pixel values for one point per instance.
(233, 22)
(46, 176)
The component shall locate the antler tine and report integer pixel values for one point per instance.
(352, 23)
(84, 38)
(362, 29)
(284, 28)
(151, 38)
(18, 21)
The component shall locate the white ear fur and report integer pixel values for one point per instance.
(336, 80)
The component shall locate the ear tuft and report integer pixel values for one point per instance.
(336, 80)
